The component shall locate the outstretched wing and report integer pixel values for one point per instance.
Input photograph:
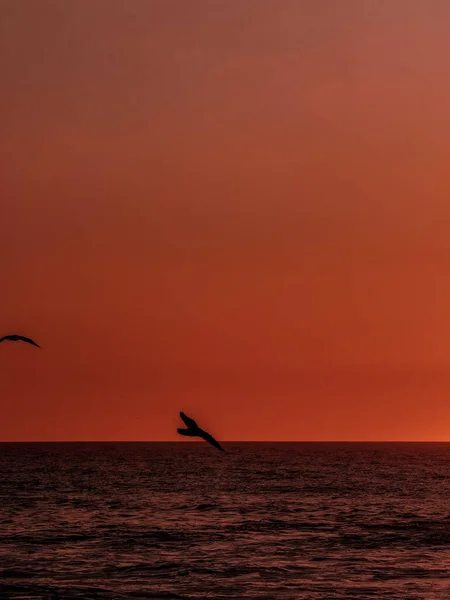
(209, 438)
(15, 338)
(186, 432)
(28, 340)
(188, 422)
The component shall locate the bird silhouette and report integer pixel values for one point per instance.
(16, 338)
(193, 430)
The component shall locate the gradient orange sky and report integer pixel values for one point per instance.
(236, 209)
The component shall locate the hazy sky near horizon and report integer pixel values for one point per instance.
(236, 209)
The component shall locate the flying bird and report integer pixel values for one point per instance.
(16, 338)
(193, 430)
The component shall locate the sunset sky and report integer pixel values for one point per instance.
(239, 209)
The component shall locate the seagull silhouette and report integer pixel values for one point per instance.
(193, 430)
(16, 338)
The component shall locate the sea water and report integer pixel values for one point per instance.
(263, 520)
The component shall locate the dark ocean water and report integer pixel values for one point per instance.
(274, 521)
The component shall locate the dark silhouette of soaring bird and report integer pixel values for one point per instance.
(16, 338)
(193, 430)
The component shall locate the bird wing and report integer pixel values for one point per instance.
(187, 432)
(188, 422)
(28, 340)
(209, 438)
(15, 338)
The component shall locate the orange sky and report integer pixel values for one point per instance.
(237, 209)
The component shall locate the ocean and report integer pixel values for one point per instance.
(272, 521)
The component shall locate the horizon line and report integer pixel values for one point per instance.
(225, 442)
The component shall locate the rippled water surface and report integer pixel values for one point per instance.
(274, 521)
